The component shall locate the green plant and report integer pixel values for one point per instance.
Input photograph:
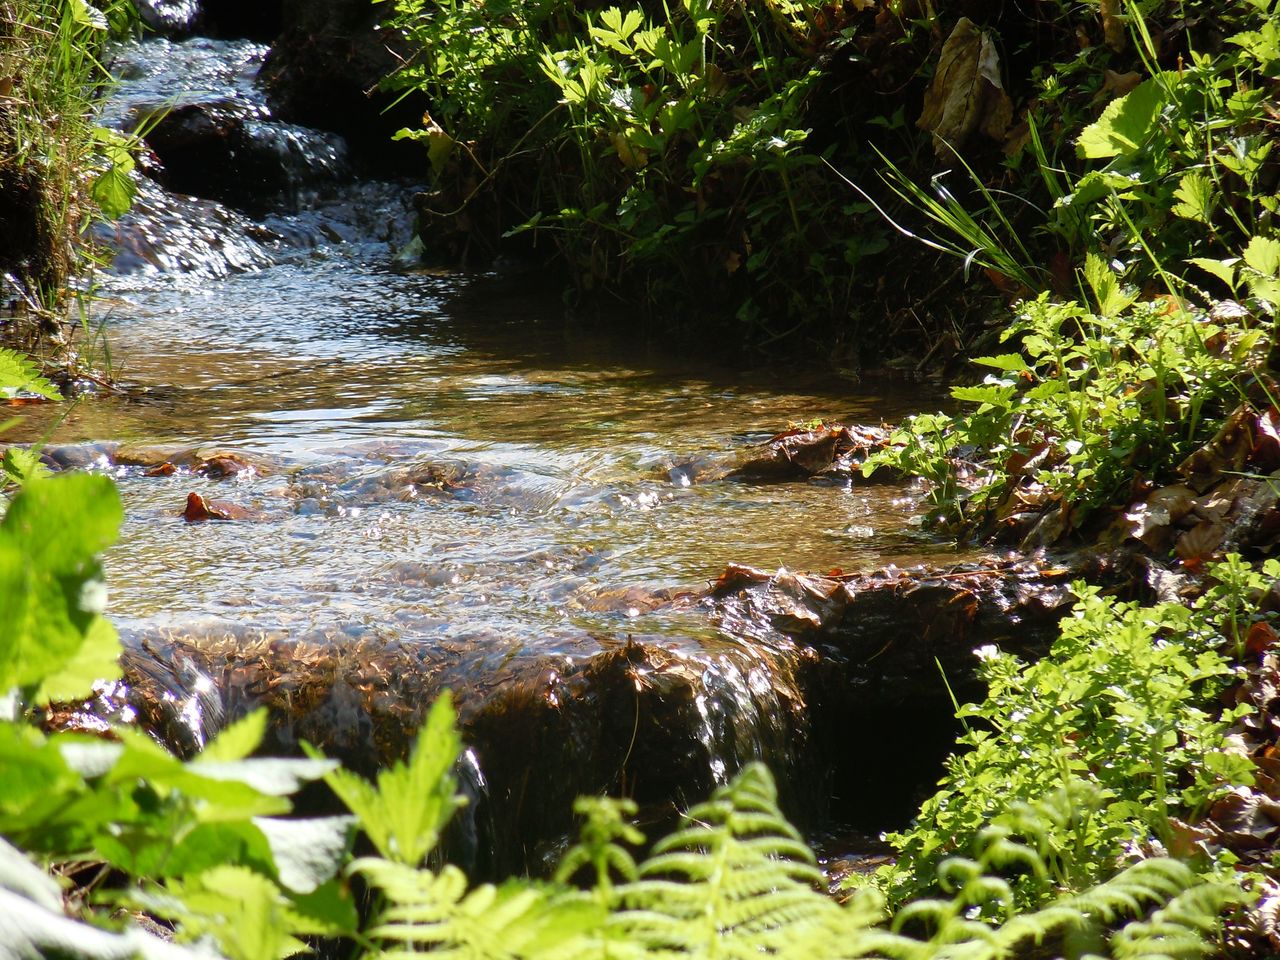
(57, 168)
(1118, 704)
(1093, 399)
(658, 149)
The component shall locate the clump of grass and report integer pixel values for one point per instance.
(51, 74)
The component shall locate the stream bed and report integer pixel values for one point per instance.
(441, 471)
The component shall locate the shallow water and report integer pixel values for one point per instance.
(440, 460)
(338, 368)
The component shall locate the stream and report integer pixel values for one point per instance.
(439, 466)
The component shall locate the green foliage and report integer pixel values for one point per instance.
(51, 153)
(404, 813)
(1117, 705)
(1093, 398)
(660, 149)
(52, 593)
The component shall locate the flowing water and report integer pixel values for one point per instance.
(437, 461)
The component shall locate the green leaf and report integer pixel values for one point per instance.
(1112, 300)
(1011, 362)
(17, 373)
(1197, 197)
(113, 191)
(87, 15)
(238, 740)
(1125, 124)
(404, 814)
(1263, 254)
(22, 464)
(307, 853)
(1224, 270)
(51, 589)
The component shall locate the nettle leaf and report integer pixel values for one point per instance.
(1105, 285)
(1125, 124)
(1263, 254)
(1197, 198)
(51, 589)
(404, 813)
(307, 853)
(113, 191)
(17, 373)
(1011, 362)
(1224, 270)
(20, 465)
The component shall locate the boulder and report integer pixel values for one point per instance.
(323, 71)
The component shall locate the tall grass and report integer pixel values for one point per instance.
(51, 73)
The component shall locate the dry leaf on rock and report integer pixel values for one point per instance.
(966, 94)
(1200, 542)
(199, 509)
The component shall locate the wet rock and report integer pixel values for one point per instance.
(169, 17)
(174, 234)
(220, 152)
(659, 719)
(324, 70)
(831, 451)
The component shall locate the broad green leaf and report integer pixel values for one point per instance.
(307, 853)
(1263, 254)
(98, 659)
(404, 814)
(994, 395)
(271, 776)
(113, 191)
(51, 588)
(1224, 270)
(87, 15)
(1012, 362)
(1125, 124)
(19, 373)
(1197, 198)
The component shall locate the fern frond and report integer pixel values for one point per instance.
(434, 912)
(737, 882)
(1183, 928)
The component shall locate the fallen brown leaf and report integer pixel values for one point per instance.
(966, 94)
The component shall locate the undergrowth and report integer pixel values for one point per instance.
(58, 169)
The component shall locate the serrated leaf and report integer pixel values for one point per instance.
(113, 191)
(17, 373)
(1197, 197)
(1125, 124)
(404, 814)
(237, 740)
(51, 587)
(1112, 300)
(1263, 254)
(1011, 362)
(307, 853)
(1224, 270)
(21, 464)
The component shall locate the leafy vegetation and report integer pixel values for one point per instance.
(58, 169)
(657, 149)
(208, 846)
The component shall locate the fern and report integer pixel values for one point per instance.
(404, 814)
(737, 882)
(436, 912)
